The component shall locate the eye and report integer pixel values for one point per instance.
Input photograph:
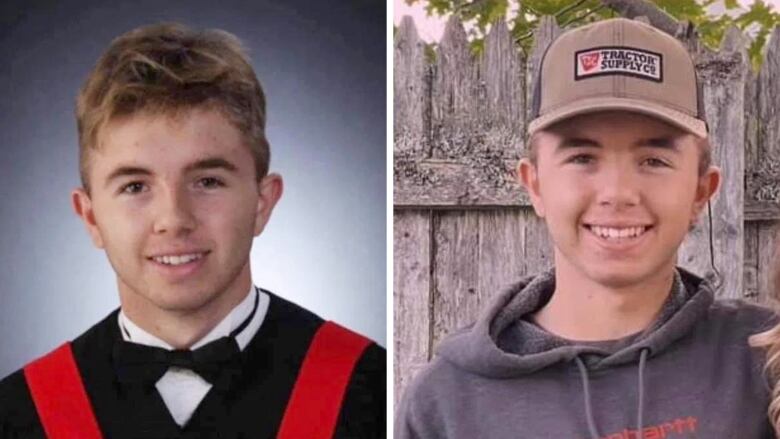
(581, 159)
(135, 187)
(210, 182)
(655, 162)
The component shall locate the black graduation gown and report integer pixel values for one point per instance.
(251, 407)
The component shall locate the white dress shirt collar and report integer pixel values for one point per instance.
(231, 321)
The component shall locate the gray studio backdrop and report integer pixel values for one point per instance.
(323, 68)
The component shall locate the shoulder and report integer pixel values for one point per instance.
(434, 381)
(18, 417)
(364, 410)
(363, 407)
(424, 403)
(741, 317)
(728, 328)
(285, 314)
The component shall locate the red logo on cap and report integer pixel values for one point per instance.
(589, 61)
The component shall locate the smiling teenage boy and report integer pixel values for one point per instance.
(615, 342)
(174, 166)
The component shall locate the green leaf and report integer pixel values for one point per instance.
(755, 51)
(759, 13)
(682, 9)
(757, 20)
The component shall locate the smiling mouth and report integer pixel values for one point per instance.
(618, 233)
(175, 260)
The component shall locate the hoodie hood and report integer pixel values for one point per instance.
(502, 345)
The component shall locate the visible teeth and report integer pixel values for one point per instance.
(618, 233)
(178, 260)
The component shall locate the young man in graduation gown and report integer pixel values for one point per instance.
(175, 186)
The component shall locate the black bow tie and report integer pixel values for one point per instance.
(136, 363)
(140, 364)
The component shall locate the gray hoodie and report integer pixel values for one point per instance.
(690, 374)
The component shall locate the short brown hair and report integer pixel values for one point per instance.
(167, 69)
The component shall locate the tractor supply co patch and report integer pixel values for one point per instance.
(599, 61)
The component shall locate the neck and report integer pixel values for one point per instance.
(181, 327)
(585, 310)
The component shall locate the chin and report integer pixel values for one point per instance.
(184, 301)
(618, 277)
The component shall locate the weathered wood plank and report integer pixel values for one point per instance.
(477, 254)
(761, 210)
(723, 74)
(411, 94)
(539, 254)
(769, 95)
(453, 95)
(456, 295)
(411, 294)
(750, 273)
(694, 253)
(481, 182)
(477, 128)
(502, 74)
(753, 151)
(767, 261)
(725, 93)
(501, 252)
(764, 185)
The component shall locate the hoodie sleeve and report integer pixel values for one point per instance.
(418, 414)
(407, 425)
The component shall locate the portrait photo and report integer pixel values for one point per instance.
(585, 195)
(166, 158)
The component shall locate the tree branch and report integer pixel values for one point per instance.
(637, 8)
(583, 16)
(571, 7)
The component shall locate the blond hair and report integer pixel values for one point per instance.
(167, 69)
(770, 342)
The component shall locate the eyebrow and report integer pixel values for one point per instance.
(659, 142)
(211, 163)
(576, 142)
(203, 164)
(126, 171)
(666, 142)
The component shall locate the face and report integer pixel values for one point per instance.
(618, 191)
(176, 203)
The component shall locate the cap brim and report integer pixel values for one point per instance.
(592, 105)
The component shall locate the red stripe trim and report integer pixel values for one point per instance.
(59, 396)
(314, 406)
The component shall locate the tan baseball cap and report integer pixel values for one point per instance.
(618, 64)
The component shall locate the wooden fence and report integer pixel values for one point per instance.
(463, 228)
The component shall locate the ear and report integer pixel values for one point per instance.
(270, 189)
(706, 187)
(528, 176)
(82, 205)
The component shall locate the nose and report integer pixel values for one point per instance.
(174, 213)
(617, 187)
